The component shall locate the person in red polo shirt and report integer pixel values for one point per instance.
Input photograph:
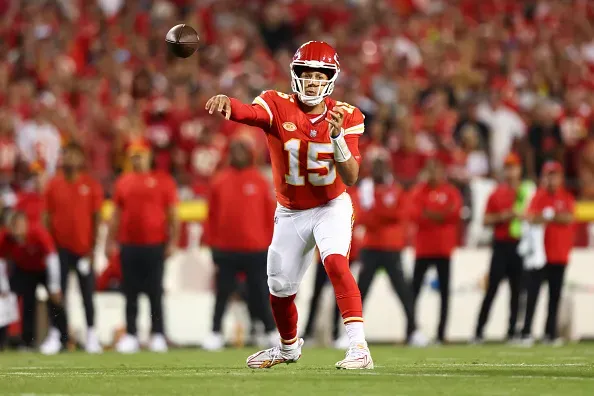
(31, 249)
(435, 208)
(145, 225)
(382, 210)
(553, 206)
(30, 197)
(238, 230)
(502, 213)
(73, 202)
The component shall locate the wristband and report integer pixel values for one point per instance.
(341, 150)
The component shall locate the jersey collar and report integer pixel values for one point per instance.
(320, 117)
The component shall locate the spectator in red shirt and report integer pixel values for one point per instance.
(239, 230)
(553, 206)
(30, 198)
(436, 206)
(73, 202)
(382, 211)
(502, 214)
(31, 249)
(145, 225)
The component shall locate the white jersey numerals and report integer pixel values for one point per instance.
(314, 164)
(346, 107)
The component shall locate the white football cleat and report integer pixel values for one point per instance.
(525, 342)
(52, 344)
(418, 340)
(93, 345)
(128, 344)
(276, 355)
(213, 342)
(158, 343)
(357, 357)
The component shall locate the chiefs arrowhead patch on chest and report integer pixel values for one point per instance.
(289, 126)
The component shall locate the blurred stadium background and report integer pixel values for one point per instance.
(424, 72)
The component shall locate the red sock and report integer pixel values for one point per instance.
(285, 316)
(348, 296)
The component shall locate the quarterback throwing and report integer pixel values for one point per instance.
(313, 142)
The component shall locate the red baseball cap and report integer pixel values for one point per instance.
(139, 146)
(552, 167)
(512, 159)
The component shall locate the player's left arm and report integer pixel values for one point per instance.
(345, 141)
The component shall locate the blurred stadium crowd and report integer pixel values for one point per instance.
(465, 81)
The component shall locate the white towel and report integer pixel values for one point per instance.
(366, 193)
(4, 284)
(531, 246)
(9, 309)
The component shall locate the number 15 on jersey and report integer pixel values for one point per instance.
(315, 163)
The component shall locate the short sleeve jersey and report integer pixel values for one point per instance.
(301, 151)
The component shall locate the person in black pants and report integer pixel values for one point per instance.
(229, 264)
(553, 207)
(435, 207)
(73, 202)
(145, 225)
(501, 212)
(321, 279)
(31, 249)
(381, 210)
(373, 260)
(238, 230)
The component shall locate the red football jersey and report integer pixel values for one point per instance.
(30, 255)
(301, 152)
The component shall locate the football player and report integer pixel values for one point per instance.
(313, 142)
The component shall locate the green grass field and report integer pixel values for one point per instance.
(448, 370)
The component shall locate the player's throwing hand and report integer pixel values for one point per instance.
(336, 119)
(220, 104)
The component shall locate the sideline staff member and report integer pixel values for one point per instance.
(239, 230)
(145, 225)
(436, 208)
(382, 211)
(553, 207)
(509, 198)
(31, 249)
(72, 202)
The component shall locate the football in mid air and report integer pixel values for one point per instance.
(182, 40)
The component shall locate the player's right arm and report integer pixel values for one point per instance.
(257, 114)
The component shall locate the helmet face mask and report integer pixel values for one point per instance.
(314, 56)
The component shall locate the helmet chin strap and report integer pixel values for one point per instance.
(310, 101)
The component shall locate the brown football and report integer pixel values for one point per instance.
(182, 40)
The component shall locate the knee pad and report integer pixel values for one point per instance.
(279, 284)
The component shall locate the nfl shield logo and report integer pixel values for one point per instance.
(313, 133)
